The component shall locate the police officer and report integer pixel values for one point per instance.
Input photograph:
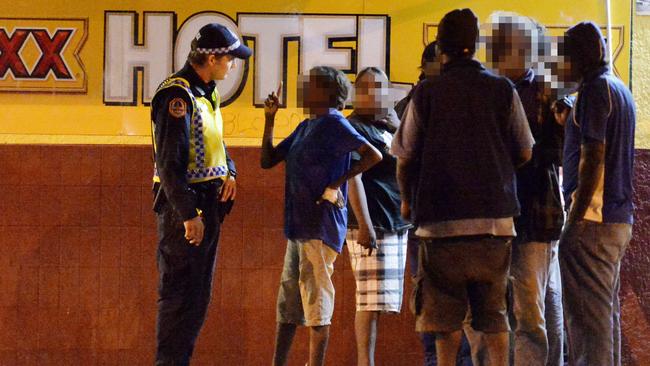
(194, 187)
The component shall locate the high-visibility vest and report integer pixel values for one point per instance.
(207, 154)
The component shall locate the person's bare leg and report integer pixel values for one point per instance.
(318, 339)
(283, 338)
(365, 328)
(447, 345)
(497, 345)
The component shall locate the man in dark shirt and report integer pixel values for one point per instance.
(598, 166)
(194, 188)
(512, 49)
(468, 131)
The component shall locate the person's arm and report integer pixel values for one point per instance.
(521, 138)
(232, 169)
(593, 110)
(406, 179)
(357, 196)
(590, 173)
(171, 135)
(369, 157)
(390, 122)
(406, 147)
(271, 155)
(229, 188)
(522, 157)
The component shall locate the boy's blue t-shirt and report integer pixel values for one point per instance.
(317, 153)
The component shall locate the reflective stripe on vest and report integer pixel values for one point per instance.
(207, 155)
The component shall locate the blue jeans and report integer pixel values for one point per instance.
(554, 312)
(535, 281)
(590, 261)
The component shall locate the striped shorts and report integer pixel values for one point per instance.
(380, 276)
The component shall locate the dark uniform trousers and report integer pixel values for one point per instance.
(185, 278)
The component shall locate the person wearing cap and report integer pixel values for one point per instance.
(194, 188)
(429, 68)
(598, 173)
(513, 51)
(467, 131)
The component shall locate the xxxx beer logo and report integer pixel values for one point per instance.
(42, 55)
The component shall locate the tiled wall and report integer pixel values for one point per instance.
(78, 277)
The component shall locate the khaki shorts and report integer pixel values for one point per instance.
(460, 274)
(306, 295)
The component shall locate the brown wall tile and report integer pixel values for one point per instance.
(69, 288)
(48, 286)
(230, 247)
(52, 159)
(9, 277)
(49, 245)
(130, 287)
(8, 357)
(70, 247)
(27, 212)
(130, 252)
(131, 206)
(50, 205)
(111, 242)
(111, 165)
(128, 325)
(27, 335)
(109, 287)
(89, 287)
(253, 249)
(8, 328)
(10, 160)
(28, 286)
(25, 242)
(111, 211)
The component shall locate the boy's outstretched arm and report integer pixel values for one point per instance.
(270, 155)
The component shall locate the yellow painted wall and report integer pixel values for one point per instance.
(641, 78)
(83, 118)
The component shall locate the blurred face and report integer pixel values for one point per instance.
(220, 66)
(431, 68)
(313, 95)
(371, 95)
(567, 70)
(510, 51)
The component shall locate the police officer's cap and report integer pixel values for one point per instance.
(217, 39)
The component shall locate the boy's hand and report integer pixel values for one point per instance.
(367, 239)
(272, 103)
(560, 112)
(334, 196)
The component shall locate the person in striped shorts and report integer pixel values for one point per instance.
(376, 238)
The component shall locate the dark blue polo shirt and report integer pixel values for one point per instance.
(604, 112)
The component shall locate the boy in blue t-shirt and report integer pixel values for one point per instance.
(318, 165)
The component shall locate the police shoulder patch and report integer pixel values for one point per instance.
(177, 107)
